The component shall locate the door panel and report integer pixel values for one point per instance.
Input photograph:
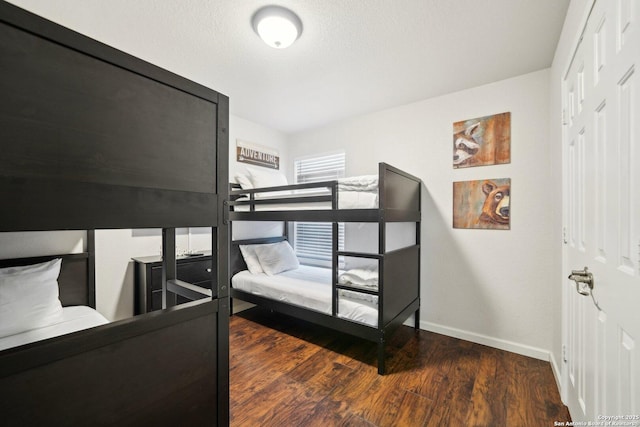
(601, 211)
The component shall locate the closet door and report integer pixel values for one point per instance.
(601, 95)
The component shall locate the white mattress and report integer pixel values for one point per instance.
(346, 200)
(357, 192)
(73, 319)
(309, 287)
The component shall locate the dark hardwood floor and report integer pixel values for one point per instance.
(286, 372)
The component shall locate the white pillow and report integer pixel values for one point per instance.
(19, 269)
(276, 257)
(244, 181)
(261, 177)
(251, 259)
(29, 297)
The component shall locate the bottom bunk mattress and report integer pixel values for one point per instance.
(309, 287)
(75, 318)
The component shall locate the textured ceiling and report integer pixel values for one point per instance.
(354, 56)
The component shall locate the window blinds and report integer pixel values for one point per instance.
(320, 168)
(312, 240)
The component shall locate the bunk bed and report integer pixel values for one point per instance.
(47, 296)
(371, 310)
(93, 138)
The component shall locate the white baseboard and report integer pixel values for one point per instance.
(557, 374)
(513, 347)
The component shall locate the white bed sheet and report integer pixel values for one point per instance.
(308, 287)
(346, 200)
(73, 319)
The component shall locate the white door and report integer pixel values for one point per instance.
(601, 207)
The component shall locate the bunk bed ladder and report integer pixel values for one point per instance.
(379, 256)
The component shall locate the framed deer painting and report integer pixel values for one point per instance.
(482, 141)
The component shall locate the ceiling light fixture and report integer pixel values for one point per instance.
(277, 26)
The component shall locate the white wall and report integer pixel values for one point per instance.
(493, 287)
(115, 269)
(35, 243)
(248, 131)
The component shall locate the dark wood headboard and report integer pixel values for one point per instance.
(236, 261)
(76, 281)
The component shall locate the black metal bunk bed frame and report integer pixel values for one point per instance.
(398, 292)
(76, 117)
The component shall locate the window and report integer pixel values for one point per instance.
(319, 168)
(312, 240)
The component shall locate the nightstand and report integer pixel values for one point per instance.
(148, 279)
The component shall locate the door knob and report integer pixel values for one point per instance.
(582, 276)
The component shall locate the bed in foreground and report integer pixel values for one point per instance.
(93, 138)
(45, 297)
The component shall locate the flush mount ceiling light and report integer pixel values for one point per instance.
(277, 26)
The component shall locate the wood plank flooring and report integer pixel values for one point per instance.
(286, 372)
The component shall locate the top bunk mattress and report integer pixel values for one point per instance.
(346, 200)
(358, 192)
